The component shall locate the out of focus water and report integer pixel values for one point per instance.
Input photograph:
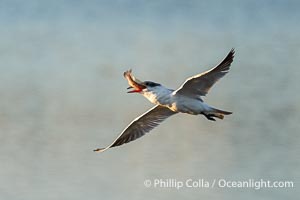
(63, 94)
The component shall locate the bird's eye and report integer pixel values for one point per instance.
(148, 84)
(151, 84)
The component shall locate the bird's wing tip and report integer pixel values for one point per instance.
(99, 150)
(232, 51)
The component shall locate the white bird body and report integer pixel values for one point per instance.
(186, 99)
(158, 95)
(176, 102)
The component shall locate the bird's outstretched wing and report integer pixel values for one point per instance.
(141, 125)
(200, 84)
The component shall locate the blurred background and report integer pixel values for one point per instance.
(63, 94)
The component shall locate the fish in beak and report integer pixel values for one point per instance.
(134, 83)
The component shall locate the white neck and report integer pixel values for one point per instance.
(159, 95)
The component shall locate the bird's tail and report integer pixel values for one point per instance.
(219, 113)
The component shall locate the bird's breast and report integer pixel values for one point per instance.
(153, 98)
(187, 105)
(162, 97)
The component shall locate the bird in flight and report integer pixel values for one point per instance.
(186, 99)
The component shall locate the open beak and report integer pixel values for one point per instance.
(136, 89)
(134, 83)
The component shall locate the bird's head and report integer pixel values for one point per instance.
(139, 86)
(146, 86)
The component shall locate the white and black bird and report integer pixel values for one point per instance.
(186, 99)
